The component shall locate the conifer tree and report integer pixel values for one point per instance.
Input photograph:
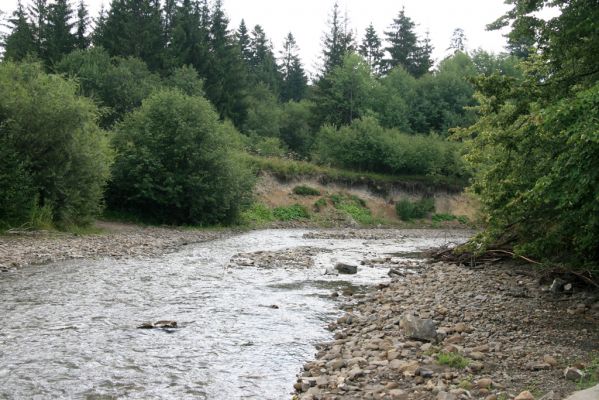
(168, 15)
(82, 40)
(403, 43)
(263, 65)
(20, 42)
(243, 40)
(188, 45)
(338, 41)
(371, 50)
(422, 59)
(59, 37)
(97, 36)
(458, 41)
(38, 12)
(226, 72)
(134, 28)
(295, 82)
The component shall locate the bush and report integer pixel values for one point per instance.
(354, 206)
(407, 210)
(366, 146)
(291, 213)
(175, 163)
(118, 85)
(54, 157)
(257, 214)
(306, 191)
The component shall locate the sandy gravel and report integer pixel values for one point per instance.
(115, 240)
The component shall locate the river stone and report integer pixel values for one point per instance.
(419, 329)
(346, 268)
(589, 394)
(573, 374)
(525, 395)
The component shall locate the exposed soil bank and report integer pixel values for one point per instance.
(513, 334)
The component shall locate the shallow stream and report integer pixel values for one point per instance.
(68, 330)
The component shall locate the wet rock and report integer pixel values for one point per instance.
(274, 306)
(573, 374)
(557, 286)
(346, 268)
(419, 329)
(158, 325)
(396, 272)
(525, 395)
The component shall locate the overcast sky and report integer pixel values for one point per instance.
(307, 19)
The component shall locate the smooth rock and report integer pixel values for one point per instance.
(484, 383)
(589, 394)
(416, 328)
(550, 360)
(525, 395)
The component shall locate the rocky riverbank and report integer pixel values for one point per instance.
(116, 240)
(452, 332)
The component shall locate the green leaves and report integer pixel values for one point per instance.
(175, 163)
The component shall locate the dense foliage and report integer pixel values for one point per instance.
(53, 154)
(377, 106)
(536, 145)
(366, 146)
(175, 163)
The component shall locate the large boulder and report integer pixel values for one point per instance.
(346, 268)
(417, 328)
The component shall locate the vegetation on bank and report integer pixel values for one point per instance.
(167, 113)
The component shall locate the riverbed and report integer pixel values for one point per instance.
(69, 329)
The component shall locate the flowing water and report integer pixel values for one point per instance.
(68, 330)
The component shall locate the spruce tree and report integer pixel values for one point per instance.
(188, 45)
(38, 12)
(82, 40)
(97, 36)
(403, 43)
(59, 37)
(244, 43)
(422, 59)
(263, 66)
(226, 73)
(20, 42)
(134, 28)
(338, 41)
(371, 50)
(458, 41)
(295, 82)
(168, 15)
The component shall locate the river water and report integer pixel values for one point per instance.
(68, 330)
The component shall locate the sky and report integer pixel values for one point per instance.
(307, 20)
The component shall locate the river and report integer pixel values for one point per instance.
(68, 329)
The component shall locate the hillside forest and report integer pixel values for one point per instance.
(163, 110)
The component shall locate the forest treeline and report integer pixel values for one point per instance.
(149, 106)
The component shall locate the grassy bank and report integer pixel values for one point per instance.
(287, 169)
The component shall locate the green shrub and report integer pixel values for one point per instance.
(354, 206)
(291, 213)
(306, 191)
(53, 156)
(454, 360)
(257, 214)
(366, 146)
(320, 204)
(443, 217)
(176, 163)
(407, 210)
